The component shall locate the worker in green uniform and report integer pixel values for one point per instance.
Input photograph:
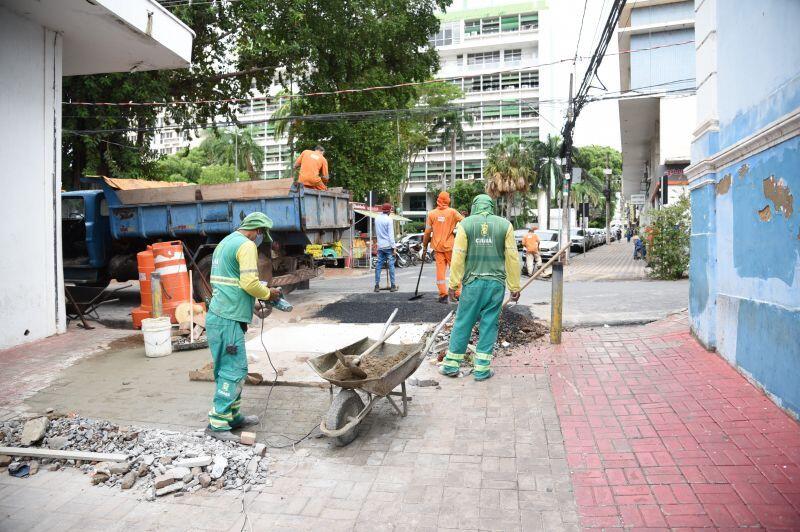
(236, 286)
(485, 261)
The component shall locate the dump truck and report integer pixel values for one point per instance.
(103, 229)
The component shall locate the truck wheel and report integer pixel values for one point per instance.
(201, 290)
(345, 406)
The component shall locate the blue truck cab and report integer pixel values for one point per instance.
(86, 237)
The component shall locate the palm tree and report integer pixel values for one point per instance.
(548, 166)
(237, 148)
(508, 170)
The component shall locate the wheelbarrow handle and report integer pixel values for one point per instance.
(331, 433)
(436, 330)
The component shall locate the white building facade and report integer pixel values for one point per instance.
(40, 42)
(657, 108)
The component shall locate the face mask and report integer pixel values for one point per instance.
(259, 239)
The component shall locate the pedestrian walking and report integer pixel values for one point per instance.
(313, 168)
(530, 242)
(485, 261)
(235, 288)
(439, 226)
(384, 230)
(628, 234)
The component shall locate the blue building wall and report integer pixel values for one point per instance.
(644, 16)
(745, 245)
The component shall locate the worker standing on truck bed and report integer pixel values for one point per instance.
(439, 227)
(235, 284)
(485, 259)
(313, 168)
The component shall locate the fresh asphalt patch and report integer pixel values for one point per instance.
(376, 308)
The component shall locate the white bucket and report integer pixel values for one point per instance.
(157, 336)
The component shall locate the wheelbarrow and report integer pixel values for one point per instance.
(347, 409)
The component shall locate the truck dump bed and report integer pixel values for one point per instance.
(140, 210)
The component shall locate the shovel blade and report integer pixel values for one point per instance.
(414, 298)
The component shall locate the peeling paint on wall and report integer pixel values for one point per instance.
(743, 170)
(778, 192)
(724, 184)
(765, 214)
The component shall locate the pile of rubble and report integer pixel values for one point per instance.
(158, 462)
(514, 329)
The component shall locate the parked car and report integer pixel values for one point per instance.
(548, 243)
(580, 241)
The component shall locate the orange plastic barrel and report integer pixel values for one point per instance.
(170, 264)
(146, 265)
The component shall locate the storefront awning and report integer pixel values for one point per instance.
(372, 214)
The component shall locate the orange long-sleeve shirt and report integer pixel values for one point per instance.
(313, 169)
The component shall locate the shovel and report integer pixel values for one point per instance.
(417, 295)
(353, 363)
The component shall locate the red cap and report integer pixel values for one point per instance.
(386, 207)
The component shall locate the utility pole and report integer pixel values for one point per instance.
(607, 191)
(567, 181)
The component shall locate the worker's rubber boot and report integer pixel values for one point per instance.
(377, 289)
(222, 435)
(483, 375)
(444, 299)
(393, 288)
(248, 421)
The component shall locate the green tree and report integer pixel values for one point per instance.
(336, 45)
(594, 159)
(508, 170)
(546, 162)
(215, 76)
(668, 256)
(236, 147)
(463, 192)
(215, 174)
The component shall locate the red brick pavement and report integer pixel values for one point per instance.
(660, 433)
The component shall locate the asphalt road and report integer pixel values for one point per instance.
(586, 303)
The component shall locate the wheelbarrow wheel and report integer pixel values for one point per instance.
(346, 405)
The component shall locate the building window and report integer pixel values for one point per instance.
(472, 27)
(472, 84)
(490, 25)
(490, 138)
(417, 202)
(529, 134)
(460, 60)
(529, 80)
(512, 56)
(472, 169)
(448, 34)
(510, 109)
(509, 23)
(491, 82)
(529, 21)
(529, 108)
(510, 81)
(472, 140)
(484, 58)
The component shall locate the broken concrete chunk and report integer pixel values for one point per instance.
(57, 442)
(148, 459)
(220, 463)
(171, 488)
(252, 465)
(99, 477)
(4, 460)
(178, 473)
(34, 430)
(142, 470)
(247, 438)
(34, 465)
(205, 479)
(259, 449)
(129, 480)
(200, 461)
(162, 481)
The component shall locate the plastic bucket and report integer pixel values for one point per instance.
(157, 334)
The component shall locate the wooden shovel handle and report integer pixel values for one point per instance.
(374, 346)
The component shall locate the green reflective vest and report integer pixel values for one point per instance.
(228, 300)
(486, 247)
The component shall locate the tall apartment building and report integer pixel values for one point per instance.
(492, 54)
(657, 111)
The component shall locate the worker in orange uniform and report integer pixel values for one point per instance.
(530, 242)
(439, 231)
(313, 168)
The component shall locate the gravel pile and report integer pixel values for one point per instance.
(159, 462)
(514, 329)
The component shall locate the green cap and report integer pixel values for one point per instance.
(257, 220)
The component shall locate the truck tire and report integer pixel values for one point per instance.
(201, 291)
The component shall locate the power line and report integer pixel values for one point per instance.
(270, 99)
(580, 32)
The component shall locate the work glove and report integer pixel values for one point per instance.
(515, 296)
(262, 310)
(275, 294)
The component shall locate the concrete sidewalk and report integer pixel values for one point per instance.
(624, 427)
